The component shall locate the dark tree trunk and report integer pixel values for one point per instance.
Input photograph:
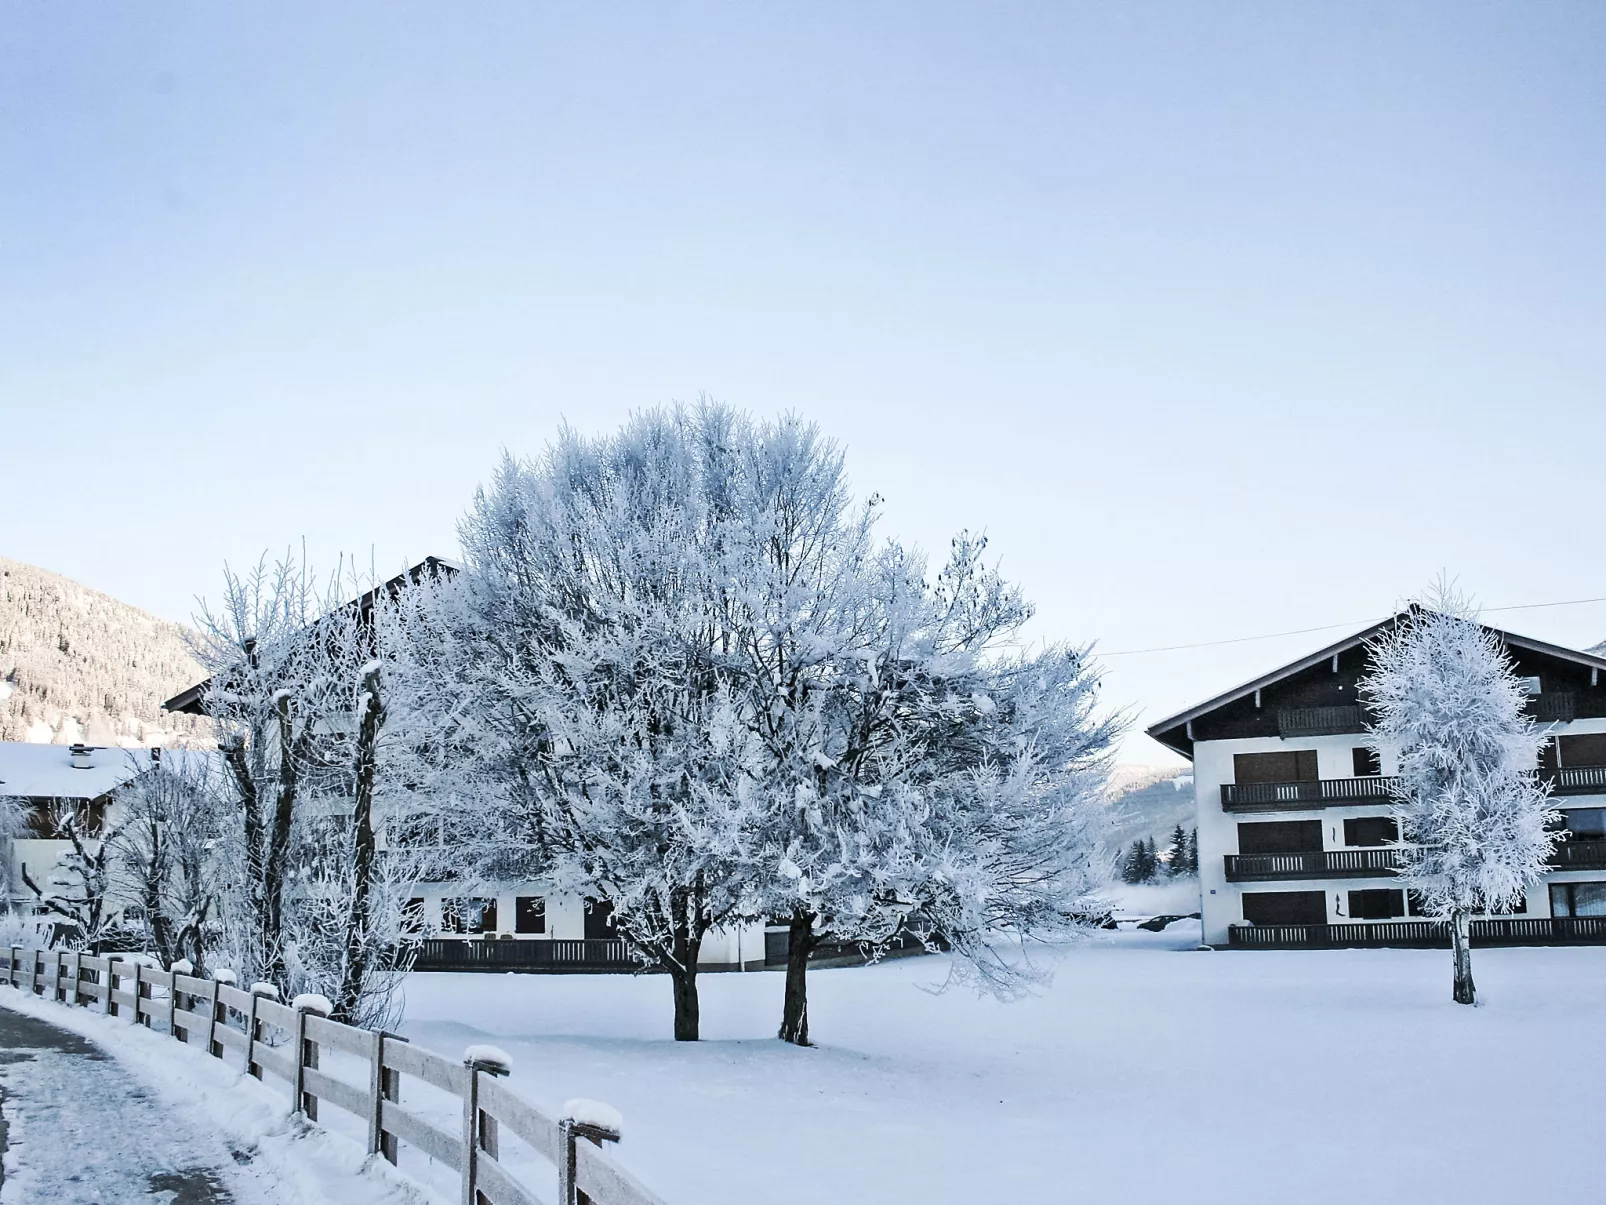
(1461, 941)
(795, 1010)
(687, 926)
(155, 905)
(251, 809)
(359, 933)
(275, 864)
(687, 1020)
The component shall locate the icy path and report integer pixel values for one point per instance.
(78, 1128)
(94, 1109)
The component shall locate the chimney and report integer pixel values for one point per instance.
(78, 757)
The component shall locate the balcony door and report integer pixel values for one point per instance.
(599, 922)
(1293, 765)
(1280, 837)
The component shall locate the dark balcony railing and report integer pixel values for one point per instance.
(1579, 780)
(1320, 721)
(1579, 855)
(1296, 796)
(1496, 931)
(1312, 864)
(1559, 707)
(529, 954)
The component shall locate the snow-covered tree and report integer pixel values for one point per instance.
(597, 652)
(1141, 865)
(703, 693)
(297, 702)
(919, 779)
(1475, 822)
(78, 887)
(1177, 863)
(162, 853)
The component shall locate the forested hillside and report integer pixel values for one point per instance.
(76, 665)
(1150, 801)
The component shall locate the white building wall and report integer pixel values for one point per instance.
(1222, 902)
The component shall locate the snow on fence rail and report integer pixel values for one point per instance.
(287, 1041)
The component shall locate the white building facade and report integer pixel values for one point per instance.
(1296, 836)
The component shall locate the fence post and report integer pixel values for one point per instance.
(306, 1054)
(14, 962)
(36, 973)
(389, 1088)
(298, 1046)
(479, 1127)
(570, 1132)
(57, 992)
(220, 1015)
(211, 1025)
(77, 978)
(111, 984)
(172, 999)
(567, 1193)
(147, 991)
(138, 987)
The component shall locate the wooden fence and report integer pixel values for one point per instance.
(287, 1042)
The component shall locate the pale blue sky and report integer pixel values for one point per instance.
(1220, 318)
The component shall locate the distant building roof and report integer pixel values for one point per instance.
(47, 770)
(1173, 731)
(191, 701)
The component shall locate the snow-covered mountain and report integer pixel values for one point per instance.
(77, 665)
(1149, 801)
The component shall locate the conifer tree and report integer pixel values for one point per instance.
(1177, 851)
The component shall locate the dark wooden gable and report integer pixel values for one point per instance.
(1319, 695)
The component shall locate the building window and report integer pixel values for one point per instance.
(1280, 837)
(412, 917)
(1377, 904)
(1285, 907)
(1371, 830)
(1414, 906)
(529, 914)
(1578, 899)
(599, 920)
(1586, 824)
(1586, 750)
(1296, 765)
(468, 916)
(1367, 763)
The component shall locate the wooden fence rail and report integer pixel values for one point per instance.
(287, 1041)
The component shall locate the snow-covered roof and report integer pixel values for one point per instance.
(190, 700)
(27, 769)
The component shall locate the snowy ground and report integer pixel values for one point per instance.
(1147, 1066)
(156, 1122)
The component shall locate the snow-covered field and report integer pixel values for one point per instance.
(1146, 1068)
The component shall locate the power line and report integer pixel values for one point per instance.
(1326, 627)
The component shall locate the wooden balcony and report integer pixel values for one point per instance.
(527, 954)
(1314, 864)
(1495, 931)
(1578, 780)
(1559, 707)
(1319, 721)
(1301, 796)
(1579, 855)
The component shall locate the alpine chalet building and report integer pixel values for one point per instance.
(1295, 831)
